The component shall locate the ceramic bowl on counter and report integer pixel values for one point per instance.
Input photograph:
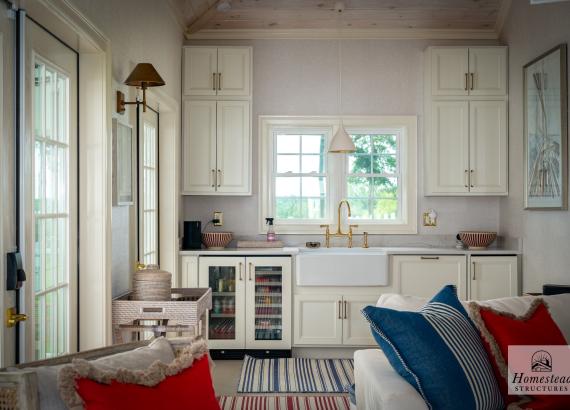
(477, 240)
(216, 240)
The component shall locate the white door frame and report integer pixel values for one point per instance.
(95, 198)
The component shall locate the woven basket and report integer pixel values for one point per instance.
(152, 284)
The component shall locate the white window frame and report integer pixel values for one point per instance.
(152, 235)
(336, 169)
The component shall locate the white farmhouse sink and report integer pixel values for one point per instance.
(342, 267)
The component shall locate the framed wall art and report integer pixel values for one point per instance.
(546, 131)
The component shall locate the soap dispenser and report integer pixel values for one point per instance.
(270, 231)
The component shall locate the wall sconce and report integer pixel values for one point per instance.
(143, 76)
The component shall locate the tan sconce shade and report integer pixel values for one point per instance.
(143, 76)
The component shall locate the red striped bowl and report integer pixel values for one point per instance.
(477, 240)
(216, 240)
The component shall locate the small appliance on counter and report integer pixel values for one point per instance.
(192, 235)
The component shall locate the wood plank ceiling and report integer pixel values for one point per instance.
(283, 15)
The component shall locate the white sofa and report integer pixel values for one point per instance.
(379, 386)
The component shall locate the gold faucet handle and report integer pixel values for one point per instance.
(352, 226)
(325, 226)
(365, 240)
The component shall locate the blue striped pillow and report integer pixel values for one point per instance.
(439, 352)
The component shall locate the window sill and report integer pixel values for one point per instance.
(373, 229)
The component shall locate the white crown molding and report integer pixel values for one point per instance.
(502, 16)
(326, 34)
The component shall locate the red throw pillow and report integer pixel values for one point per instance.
(501, 329)
(190, 389)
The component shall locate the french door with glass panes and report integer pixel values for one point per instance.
(148, 187)
(50, 195)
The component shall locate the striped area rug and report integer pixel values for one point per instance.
(284, 403)
(295, 375)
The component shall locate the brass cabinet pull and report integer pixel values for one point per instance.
(213, 178)
(345, 310)
(472, 81)
(219, 81)
(473, 272)
(466, 81)
(339, 309)
(240, 271)
(250, 267)
(219, 177)
(471, 178)
(466, 178)
(214, 81)
(429, 258)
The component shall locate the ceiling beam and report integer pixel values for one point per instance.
(203, 19)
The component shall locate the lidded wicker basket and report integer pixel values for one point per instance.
(152, 284)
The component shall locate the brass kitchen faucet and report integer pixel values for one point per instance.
(339, 232)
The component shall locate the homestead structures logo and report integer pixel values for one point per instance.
(541, 361)
(543, 370)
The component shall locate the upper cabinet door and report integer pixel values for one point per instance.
(234, 71)
(447, 157)
(200, 71)
(233, 153)
(488, 71)
(449, 71)
(488, 147)
(199, 145)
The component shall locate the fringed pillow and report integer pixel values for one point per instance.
(185, 383)
(501, 329)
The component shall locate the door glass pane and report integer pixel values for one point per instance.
(268, 303)
(222, 323)
(50, 100)
(149, 195)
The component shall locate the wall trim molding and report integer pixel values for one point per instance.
(357, 34)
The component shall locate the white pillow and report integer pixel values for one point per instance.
(558, 306)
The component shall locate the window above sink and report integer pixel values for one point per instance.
(301, 183)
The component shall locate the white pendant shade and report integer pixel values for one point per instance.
(341, 142)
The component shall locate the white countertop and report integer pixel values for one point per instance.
(390, 250)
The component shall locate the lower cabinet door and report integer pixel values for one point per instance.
(493, 277)
(355, 329)
(425, 275)
(317, 320)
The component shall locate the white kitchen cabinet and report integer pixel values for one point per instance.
(488, 71)
(488, 155)
(492, 277)
(468, 71)
(425, 275)
(449, 71)
(447, 165)
(233, 147)
(199, 145)
(189, 271)
(355, 328)
(251, 306)
(317, 319)
(331, 319)
(234, 71)
(217, 147)
(217, 71)
(200, 71)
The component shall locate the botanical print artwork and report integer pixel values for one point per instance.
(545, 131)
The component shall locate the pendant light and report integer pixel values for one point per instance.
(341, 142)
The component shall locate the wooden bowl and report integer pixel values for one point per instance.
(477, 240)
(216, 240)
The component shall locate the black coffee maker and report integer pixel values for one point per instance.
(192, 235)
